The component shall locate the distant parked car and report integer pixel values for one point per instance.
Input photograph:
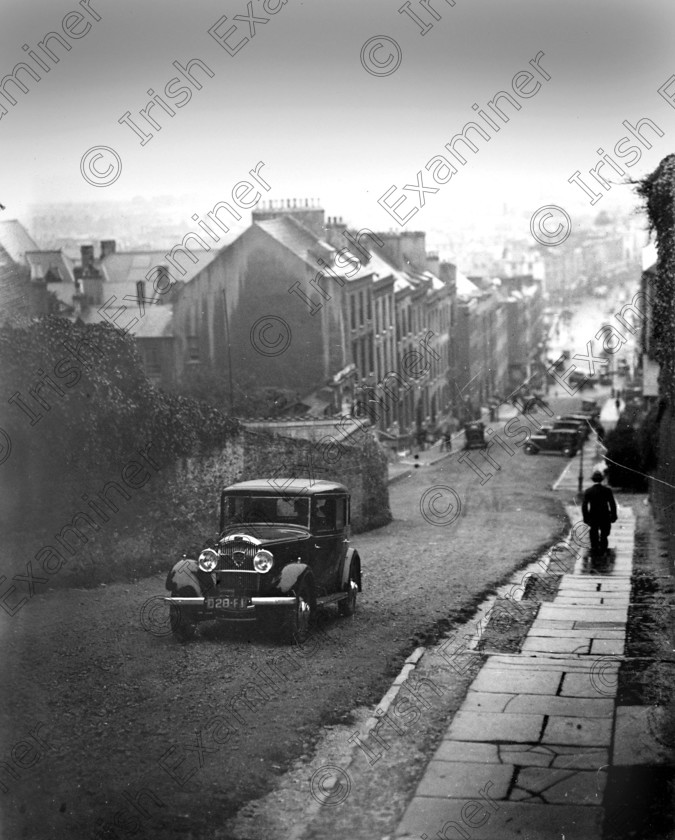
(563, 441)
(281, 551)
(584, 380)
(574, 421)
(590, 407)
(474, 436)
(532, 401)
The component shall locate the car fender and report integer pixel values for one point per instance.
(187, 576)
(351, 559)
(290, 576)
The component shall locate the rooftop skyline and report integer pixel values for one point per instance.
(290, 88)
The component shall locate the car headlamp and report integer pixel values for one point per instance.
(208, 560)
(263, 561)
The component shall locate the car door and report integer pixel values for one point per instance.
(327, 527)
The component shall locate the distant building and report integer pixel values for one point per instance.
(122, 288)
(481, 367)
(525, 328)
(298, 302)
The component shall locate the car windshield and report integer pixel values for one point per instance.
(286, 510)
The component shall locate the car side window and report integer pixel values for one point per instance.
(323, 514)
(340, 514)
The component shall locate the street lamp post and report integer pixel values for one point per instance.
(581, 469)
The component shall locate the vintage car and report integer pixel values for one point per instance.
(572, 422)
(583, 380)
(474, 436)
(590, 407)
(548, 440)
(282, 550)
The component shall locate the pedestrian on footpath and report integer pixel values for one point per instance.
(599, 511)
(446, 438)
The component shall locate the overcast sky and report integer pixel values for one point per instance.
(297, 97)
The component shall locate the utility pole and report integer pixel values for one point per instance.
(229, 353)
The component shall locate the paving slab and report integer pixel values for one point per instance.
(598, 683)
(543, 631)
(543, 662)
(576, 613)
(609, 586)
(470, 751)
(538, 704)
(554, 755)
(586, 732)
(444, 778)
(595, 599)
(516, 680)
(600, 625)
(558, 786)
(607, 647)
(591, 707)
(449, 818)
(554, 624)
(488, 726)
(559, 644)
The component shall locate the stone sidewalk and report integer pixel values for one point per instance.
(526, 755)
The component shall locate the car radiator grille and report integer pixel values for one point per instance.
(237, 558)
(240, 583)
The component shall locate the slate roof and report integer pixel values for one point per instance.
(16, 240)
(42, 262)
(465, 288)
(306, 245)
(15, 289)
(131, 266)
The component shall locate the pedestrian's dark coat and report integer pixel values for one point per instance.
(598, 507)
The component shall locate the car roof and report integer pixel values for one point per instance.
(286, 486)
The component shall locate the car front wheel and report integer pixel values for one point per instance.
(182, 627)
(300, 615)
(348, 605)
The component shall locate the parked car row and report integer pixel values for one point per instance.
(568, 433)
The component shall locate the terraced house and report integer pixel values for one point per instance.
(336, 295)
(343, 321)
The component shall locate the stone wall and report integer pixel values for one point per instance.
(662, 490)
(361, 466)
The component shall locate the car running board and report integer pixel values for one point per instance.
(331, 599)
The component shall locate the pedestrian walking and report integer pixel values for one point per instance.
(421, 437)
(599, 512)
(598, 428)
(446, 439)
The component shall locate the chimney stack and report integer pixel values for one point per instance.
(108, 246)
(87, 257)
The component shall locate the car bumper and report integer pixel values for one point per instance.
(272, 601)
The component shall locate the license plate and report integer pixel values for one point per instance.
(228, 603)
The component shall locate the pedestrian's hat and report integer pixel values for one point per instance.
(597, 476)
